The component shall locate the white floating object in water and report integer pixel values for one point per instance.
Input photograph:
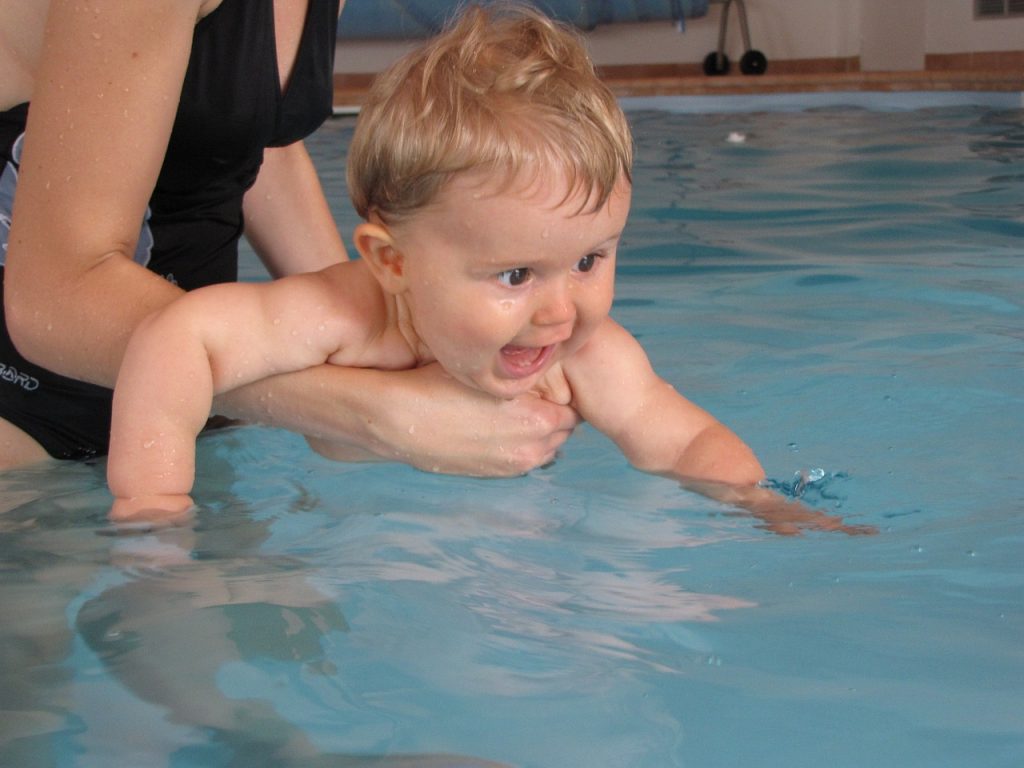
(735, 137)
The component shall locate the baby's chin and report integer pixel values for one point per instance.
(504, 388)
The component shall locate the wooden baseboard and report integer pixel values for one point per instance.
(992, 60)
(989, 71)
(782, 67)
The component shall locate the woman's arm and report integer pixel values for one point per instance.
(103, 102)
(421, 417)
(287, 218)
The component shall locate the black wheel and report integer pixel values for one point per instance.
(753, 63)
(715, 64)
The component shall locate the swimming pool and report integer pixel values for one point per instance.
(841, 285)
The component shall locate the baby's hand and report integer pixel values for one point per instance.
(778, 514)
(786, 517)
(157, 510)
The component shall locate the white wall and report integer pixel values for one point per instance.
(892, 34)
(886, 34)
(951, 28)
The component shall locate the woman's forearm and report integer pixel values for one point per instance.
(421, 417)
(287, 219)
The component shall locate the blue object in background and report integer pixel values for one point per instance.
(410, 19)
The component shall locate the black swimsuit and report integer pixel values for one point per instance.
(231, 109)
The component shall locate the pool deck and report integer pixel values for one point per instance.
(1005, 74)
(888, 82)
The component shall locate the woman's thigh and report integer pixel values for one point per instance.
(18, 449)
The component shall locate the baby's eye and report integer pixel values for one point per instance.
(587, 262)
(514, 277)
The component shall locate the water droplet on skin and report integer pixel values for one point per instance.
(412, 429)
(149, 444)
(277, 321)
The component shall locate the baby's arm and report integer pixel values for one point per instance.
(204, 343)
(658, 430)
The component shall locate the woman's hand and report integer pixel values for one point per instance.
(421, 417)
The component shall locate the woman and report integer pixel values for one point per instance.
(157, 132)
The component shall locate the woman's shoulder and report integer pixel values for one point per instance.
(208, 7)
(21, 40)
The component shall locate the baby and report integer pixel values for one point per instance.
(492, 170)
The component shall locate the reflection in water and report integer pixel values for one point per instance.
(1002, 139)
(163, 613)
(225, 642)
(166, 632)
(524, 595)
(44, 561)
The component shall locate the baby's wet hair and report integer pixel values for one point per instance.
(502, 89)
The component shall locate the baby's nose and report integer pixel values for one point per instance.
(557, 307)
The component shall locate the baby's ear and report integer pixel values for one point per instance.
(377, 248)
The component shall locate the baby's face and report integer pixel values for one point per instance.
(501, 284)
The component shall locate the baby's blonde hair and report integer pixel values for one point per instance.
(502, 89)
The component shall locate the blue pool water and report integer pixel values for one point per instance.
(842, 286)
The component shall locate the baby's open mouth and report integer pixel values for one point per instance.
(520, 362)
